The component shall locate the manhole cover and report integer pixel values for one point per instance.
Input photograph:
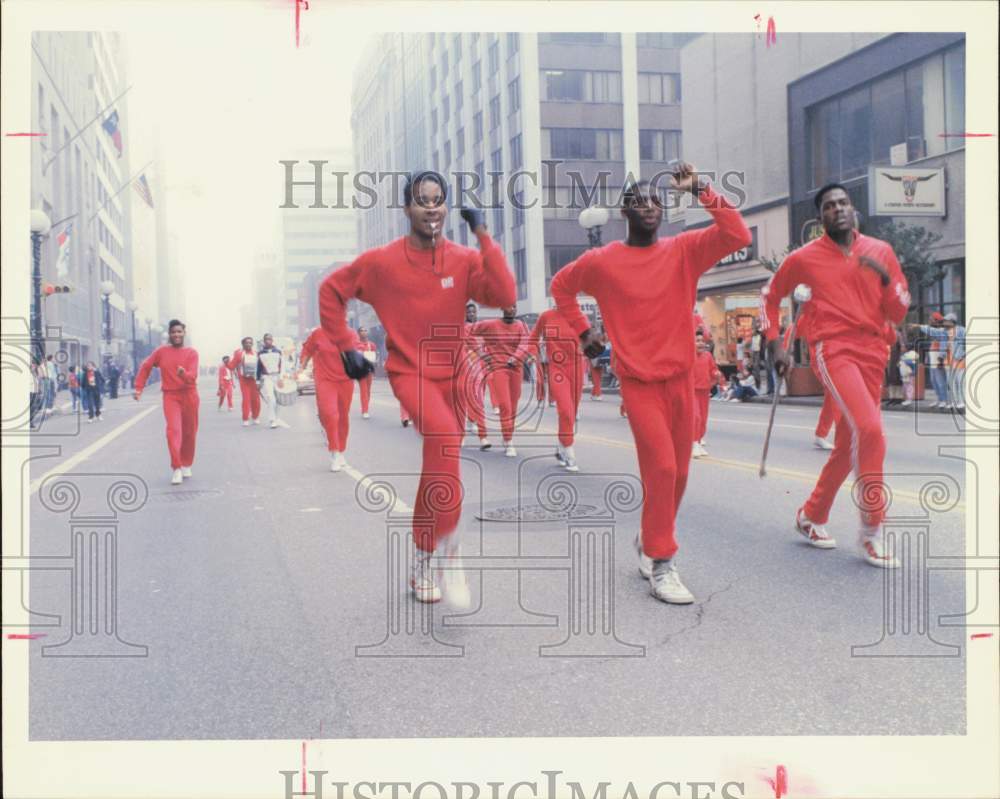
(538, 513)
(186, 496)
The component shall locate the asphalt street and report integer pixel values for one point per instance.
(263, 591)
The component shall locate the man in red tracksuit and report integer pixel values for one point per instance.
(857, 286)
(179, 377)
(365, 385)
(244, 364)
(225, 383)
(419, 285)
(475, 380)
(505, 342)
(706, 375)
(334, 392)
(565, 377)
(646, 287)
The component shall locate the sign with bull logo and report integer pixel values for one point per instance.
(901, 191)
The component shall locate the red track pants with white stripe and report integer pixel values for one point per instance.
(507, 393)
(662, 417)
(333, 401)
(180, 409)
(365, 385)
(852, 372)
(250, 397)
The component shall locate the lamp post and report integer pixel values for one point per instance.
(107, 287)
(133, 307)
(40, 226)
(592, 220)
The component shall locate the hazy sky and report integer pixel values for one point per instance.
(224, 111)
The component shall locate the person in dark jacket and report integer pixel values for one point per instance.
(92, 385)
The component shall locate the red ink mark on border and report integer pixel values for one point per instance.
(779, 783)
(965, 135)
(303, 763)
(771, 37)
(28, 637)
(300, 5)
(981, 635)
(26, 134)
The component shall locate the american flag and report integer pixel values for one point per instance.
(141, 185)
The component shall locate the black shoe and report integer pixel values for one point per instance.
(406, 422)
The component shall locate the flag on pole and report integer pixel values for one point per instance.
(141, 185)
(110, 126)
(63, 239)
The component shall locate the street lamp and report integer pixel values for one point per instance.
(133, 306)
(592, 219)
(40, 226)
(107, 288)
(149, 333)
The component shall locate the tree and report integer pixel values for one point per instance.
(913, 246)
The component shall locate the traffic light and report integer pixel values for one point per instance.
(48, 289)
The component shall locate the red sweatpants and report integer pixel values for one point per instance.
(366, 392)
(852, 373)
(595, 377)
(565, 389)
(472, 396)
(227, 394)
(491, 384)
(829, 415)
(701, 398)
(507, 392)
(543, 381)
(432, 404)
(333, 401)
(661, 416)
(180, 409)
(251, 397)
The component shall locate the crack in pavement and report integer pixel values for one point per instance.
(699, 616)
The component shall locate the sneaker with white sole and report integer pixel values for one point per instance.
(665, 584)
(645, 562)
(875, 550)
(815, 534)
(484, 444)
(185, 471)
(509, 450)
(570, 457)
(337, 461)
(177, 478)
(453, 579)
(560, 456)
(274, 424)
(698, 451)
(821, 443)
(366, 416)
(246, 423)
(256, 421)
(422, 583)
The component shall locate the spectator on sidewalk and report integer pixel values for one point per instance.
(744, 388)
(936, 356)
(73, 382)
(955, 361)
(93, 387)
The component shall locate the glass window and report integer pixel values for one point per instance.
(460, 142)
(659, 145)
(494, 56)
(459, 98)
(656, 40)
(434, 120)
(446, 108)
(447, 154)
(515, 152)
(496, 161)
(824, 134)
(954, 96)
(856, 133)
(889, 115)
(498, 220)
(477, 126)
(562, 84)
(916, 147)
(513, 95)
(521, 273)
(494, 112)
(513, 43)
(603, 87)
(576, 38)
(477, 76)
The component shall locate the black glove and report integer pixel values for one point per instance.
(356, 366)
(592, 345)
(473, 216)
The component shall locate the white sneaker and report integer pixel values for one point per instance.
(366, 416)
(246, 423)
(596, 399)
(821, 443)
(229, 409)
(496, 411)
(484, 444)
(645, 562)
(815, 534)
(698, 451)
(874, 549)
(90, 421)
(454, 580)
(185, 471)
(509, 450)
(336, 461)
(905, 403)
(422, 579)
(100, 417)
(934, 404)
(665, 584)
(178, 478)
(569, 459)
(552, 405)
(256, 421)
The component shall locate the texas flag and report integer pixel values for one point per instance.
(62, 261)
(110, 126)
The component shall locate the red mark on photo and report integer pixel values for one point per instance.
(303, 767)
(771, 37)
(300, 6)
(982, 635)
(780, 782)
(26, 134)
(965, 135)
(27, 637)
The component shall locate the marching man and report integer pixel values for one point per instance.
(334, 392)
(857, 286)
(179, 377)
(475, 383)
(565, 377)
(645, 287)
(225, 383)
(505, 342)
(370, 352)
(269, 377)
(244, 364)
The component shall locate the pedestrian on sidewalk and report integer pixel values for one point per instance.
(937, 355)
(857, 286)
(955, 361)
(553, 331)
(225, 392)
(370, 352)
(93, 390)
(419, 285)
(244, 365)
(334, 391)
(645, 287)
(73, 381)
(179, 375)
(114, 375)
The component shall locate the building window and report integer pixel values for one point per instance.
(521, 273)
(463, 235)
(447, 154)
(954, 95)
(434, 120)
(444, 63)
(436, 161)
(456, 47)
(659, 145)
(515, 152)
(575, 38)
(662, 40)
(434, 79)
(513, 43)
(446, 108)
(494, 57)
(513, 95)
(460, 142)
(477, 76)
(477, 127)
(584, 144)
(558, 257)
(517, 210)
(659, 88)
(495, 112)
(481, 177)
(459, 97)
(496, 161)
(581, 86)
(498, 220)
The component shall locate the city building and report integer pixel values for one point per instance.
(80, 168)
(535, 127)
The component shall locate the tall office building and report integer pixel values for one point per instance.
(536, 127)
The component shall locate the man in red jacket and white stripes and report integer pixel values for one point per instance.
(857, 286)
(646, 287)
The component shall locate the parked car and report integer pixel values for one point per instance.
(306, 383)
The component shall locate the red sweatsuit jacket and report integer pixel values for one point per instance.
(848, 299)
(327, 364)
(706, 371)
(421, 304)
(502, 341)
(236, 362)
(168, 358)
(646, 293)
(561, 343)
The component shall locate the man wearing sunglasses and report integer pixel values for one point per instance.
(645, 287)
